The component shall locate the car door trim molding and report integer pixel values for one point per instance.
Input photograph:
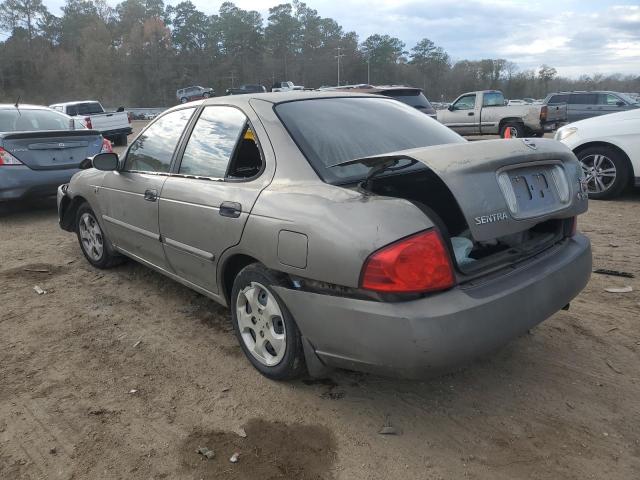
(189, 249)
(133, 228)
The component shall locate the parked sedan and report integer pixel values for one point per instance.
(41, 149)
(608, 148)
(337, 239)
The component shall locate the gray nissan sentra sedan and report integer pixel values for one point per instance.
(342, 230)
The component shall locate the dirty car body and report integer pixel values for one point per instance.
(40, 149)
(389, 243)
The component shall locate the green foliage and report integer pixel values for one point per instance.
(139, 52)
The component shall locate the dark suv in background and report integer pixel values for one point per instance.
(413, 97)
(581, 105)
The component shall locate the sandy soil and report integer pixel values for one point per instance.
(126, 374)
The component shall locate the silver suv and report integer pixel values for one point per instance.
(188, 94)
(581, 105)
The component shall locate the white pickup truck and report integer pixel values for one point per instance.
(112, 125)
(486, 113)
(285, 87)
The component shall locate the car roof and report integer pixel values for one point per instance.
(21, 106)
(74, 103)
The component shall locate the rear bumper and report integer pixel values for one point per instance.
(115, 133)
(17, 182)
(552, 126)
(422, 337)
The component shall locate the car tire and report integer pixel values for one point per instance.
(608, 161)
(517, 129)
(184, 100)
(123, 140)
(206, 95)
(257, 327)
(93, 242)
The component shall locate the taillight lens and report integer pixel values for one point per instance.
(87, 123)
(106, 146)
(7, 159)
(543, 113)
(419, 263)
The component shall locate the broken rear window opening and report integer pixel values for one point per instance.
(335, 130)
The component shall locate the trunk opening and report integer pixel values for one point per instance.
(471, 257)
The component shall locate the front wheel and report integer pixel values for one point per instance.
(606, 171)
(264, 327)
(93, 242)
(183, 100)
(206, 95)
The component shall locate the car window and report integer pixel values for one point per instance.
(415, 98)
(14, 120)
(559, 99)
(153, 149)
(494, 99)
(468, 102)
(212, 142)
(334, 130)
(583, 99)
(608, 99)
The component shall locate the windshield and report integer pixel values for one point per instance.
(628, 98)
(16, 120)
(88, 108)
(335, 130)
(415, 98)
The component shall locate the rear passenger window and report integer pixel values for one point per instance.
(152, 151)
(583, 99)
(559, 99)
(221, 145)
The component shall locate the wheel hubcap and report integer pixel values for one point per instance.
(599, 171)
(514, 132)
(91, 236)
(261, 324)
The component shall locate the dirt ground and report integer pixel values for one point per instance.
(126, 374)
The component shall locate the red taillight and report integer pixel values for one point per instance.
(87, 123)
(7, 159)
(419, 263)
(106, 146)
(543, 113)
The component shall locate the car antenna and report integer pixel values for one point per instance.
(17, 105)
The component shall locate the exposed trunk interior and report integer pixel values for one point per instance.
(472, 258)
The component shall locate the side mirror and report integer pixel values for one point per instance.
(120, 109)
(106, 162)
(450, 108)
(620, 103)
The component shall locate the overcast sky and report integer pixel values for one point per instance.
(575, 36)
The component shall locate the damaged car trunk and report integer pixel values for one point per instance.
(495, 203)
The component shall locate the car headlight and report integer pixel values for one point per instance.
(565, 133)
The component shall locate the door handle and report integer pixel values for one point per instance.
(471, 114)
(150, 195)
(230, 209)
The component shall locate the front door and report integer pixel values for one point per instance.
(205, 203)
(130, 195)
(461, 116)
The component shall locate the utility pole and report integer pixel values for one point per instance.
(368, 69)
(338, 56)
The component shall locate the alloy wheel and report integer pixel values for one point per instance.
(600, 172)
(91, 236)
(261, 324)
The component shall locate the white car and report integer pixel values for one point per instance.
(608, 148)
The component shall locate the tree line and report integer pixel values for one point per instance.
(140, 51)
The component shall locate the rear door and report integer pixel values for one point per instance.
(461, 116)
(581, 106)
(129, 196)
(205, 203)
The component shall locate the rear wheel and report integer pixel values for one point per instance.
(93, 242)
(183, 100)
(516, 130)
(606, 171)
(264, 327)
